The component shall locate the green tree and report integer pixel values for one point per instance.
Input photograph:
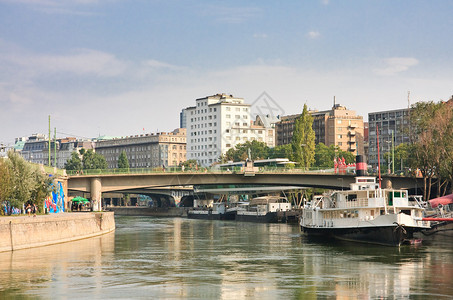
(5, 181)
(123, 162)
(258, 150)
(303, 141)
(432, 126)
(190, 165)
(281, 151)
(93, 160)
(74, 163)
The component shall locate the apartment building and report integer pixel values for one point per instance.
(337, 126)
(146, 150)
(392, 124)
(217, 123)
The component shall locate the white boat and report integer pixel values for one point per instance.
(365, 213)
(209, 210)
(266, 209)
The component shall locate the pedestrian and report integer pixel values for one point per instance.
(34, 210)
(28, 209)
(182, 168)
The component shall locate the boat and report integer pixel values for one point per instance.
(265, 209)
(209, 210)
(365, 213)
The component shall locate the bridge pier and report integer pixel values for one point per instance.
(96, 194)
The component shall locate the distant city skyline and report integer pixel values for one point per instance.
(121, 67)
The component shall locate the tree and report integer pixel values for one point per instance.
(432, 125)
(74, 163)
(5, 181)
(303, 141)
(258, 150)
(324, 156)
(191, 164)
(123, 162)
(281, 151)
(93, 160)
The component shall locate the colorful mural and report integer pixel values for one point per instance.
(55, 202)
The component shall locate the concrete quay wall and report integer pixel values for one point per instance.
(149, 211)
(27, 232)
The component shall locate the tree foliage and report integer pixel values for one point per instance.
(432, 125)
(258, 150)
(21, 181)
(324, 156)
(123, 162)
(74, 163)
(303, 141)
(93, 160)
(190, 165)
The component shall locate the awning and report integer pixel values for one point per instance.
(444, 200)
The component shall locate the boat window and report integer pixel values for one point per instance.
(397, 194)
(352, 197)
(406, 211)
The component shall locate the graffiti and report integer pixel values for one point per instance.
(55, 202)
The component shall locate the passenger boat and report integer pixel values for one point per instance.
(266, 209)
(365, 213)
(210, 211)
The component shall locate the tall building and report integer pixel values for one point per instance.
(389, 122)
(146, 150)
(338, 126)
(218, 123)
(182, 119)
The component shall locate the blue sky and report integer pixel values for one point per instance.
(117, 67)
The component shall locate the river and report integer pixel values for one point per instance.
(175, 258)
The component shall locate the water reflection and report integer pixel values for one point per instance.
(194, 259)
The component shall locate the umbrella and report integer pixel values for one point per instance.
(445, 200)
(80, 199)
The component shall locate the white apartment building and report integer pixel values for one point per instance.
(218, 123)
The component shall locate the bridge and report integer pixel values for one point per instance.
(145, 183)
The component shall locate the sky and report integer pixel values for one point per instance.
(127, 67)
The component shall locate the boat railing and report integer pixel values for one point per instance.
(358, 202)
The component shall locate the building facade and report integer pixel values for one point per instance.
(146, 150)
(216, 124)
(35, 149)
(393, 125)
(338, 126)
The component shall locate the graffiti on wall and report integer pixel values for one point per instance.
(55, 202)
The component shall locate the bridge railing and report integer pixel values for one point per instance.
(233, 170)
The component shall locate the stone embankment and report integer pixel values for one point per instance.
(27, 232)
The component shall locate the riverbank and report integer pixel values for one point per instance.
(29, 232)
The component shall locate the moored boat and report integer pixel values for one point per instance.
(266, 209)
(212, 211)
(365, 213)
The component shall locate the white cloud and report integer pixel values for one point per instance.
(260, 35)
(395, 65)
(325, 2)
(313, 34)
(155, 64)
(80, 62)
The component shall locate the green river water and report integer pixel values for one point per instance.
(175, 258)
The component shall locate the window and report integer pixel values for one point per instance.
(228, 116)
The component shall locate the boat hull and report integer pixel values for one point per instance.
(209, 215)
(270, 217)
(382, 235)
